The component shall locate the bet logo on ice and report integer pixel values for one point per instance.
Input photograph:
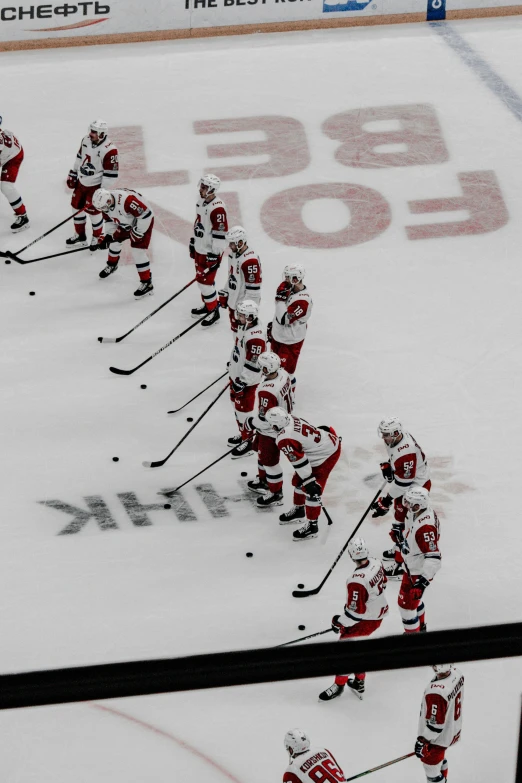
(348, 5)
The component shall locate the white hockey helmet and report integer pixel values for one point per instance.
(236, 235)
(390, 429)
(100, 127)
(416, 496)
(101, 200)
(248, 308)
(269, 361)
(358, 549)
(296, 742)
(294, 270)
(278, 418)
(212, 183)
(442, 668)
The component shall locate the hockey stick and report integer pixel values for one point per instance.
(198, 394)
(327, 515)
(305, 593)
(381, 766)
(172, 492)
(123, 336)
(161, 462)
(117, 370)
(54, 255)
(319, 633)
(10, 254)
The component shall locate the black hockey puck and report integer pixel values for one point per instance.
(302, 627)
(115, 459)
(7, 260)
(143, 386)
(244, 473)
(31, 293)
(249, 554)
(167, 505)
(100, 339)
(300, 586)
(190, 418)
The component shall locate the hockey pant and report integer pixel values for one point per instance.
(435, 765)
(400, 515)
(206, 280)
(288, 353)
(320, 473)
(244, 404)
(357, 631)
(138, 248)
(268, 467)
(81, 199)
(412, 611)
(7, 177)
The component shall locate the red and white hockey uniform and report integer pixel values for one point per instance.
(317, 764)
(210, 228)
(249, 343)
(420, 547)
(290, 320)
(244, 278)
(312, 452)
(132, 218)
(11, 158)
(366, 598)
(96, 165)
(409, 466)
(271, 393)
(440, 719)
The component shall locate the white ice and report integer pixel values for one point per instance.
(428, 330)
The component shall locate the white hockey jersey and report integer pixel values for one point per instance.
(317, 764)
(440, 719)
(277, 392)
(210, 227)
(409, 465)
(10, 147)
(130, 211)
(306, 446)
(249, 343)
(96, 164)
(420, 545)
(289, 324)
(244, 278)
(366, 597)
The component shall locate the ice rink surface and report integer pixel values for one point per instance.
(417, 313)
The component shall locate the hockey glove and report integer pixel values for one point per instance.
(312, 488)
(387, 471)
(422, 747)
(269, 331)
(120, 235)
(420, 585)
(396, 532)
(105, 241)
(336, 625)
(212, 261)
(223, 299)
(72, 180)
(238, 387)
(381, 506)
(192, 249)
(283, 291)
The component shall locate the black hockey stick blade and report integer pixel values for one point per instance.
(305, 593)
(118, 371)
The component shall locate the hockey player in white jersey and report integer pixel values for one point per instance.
(293, 309)
(275, 390)
(128, 216)
(96, 166)
(365, 608)
(440, 721)
(244, 275)
(309, 764)
(406, 466)
(11, 158)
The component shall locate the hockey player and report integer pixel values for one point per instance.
(96, 166)
(440, 721)
(11, 157)
(365, 608)
(309, 764)
(420, 550)
(293, 309)
(275, 390)
(313, 453)
(406, 467)
(245, 373)
(127, 216)
(244, 275)
(207, 245)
